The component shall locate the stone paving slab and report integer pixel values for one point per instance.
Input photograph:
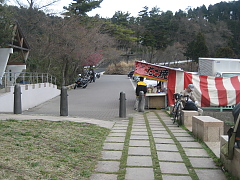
(157, 129)
(119, 131)
(139, 137)
(117, 134)
(139, 143)
(163, 141)
(185, 138)
(108, 166)
(169, 156)
(119, 127)
(175, 128)
(160, 132)
(178, 131)
(139, 174)
(113, 146)
(121, 124)
(204, 174)
(168, 177)
(181, 134)
(98, 176)
(139, 161)
(139, 133)
(191, 144)
(139, 151)
(139, 130)
(162, 136)
(202, 163)
(139, 123)
(196, 152)
(166, 147)
(155, 123)
(173, 168)
(113, 155)
(115, 139)
(139, 127)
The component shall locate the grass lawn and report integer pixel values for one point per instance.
(38, 149)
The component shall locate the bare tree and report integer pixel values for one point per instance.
(35, 4)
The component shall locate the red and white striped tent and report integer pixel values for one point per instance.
(209, 91)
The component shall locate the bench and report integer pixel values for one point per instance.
(187, 117)
(207, 128)
(231, 165)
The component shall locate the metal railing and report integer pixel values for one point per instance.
(11, 79)
(221, 108)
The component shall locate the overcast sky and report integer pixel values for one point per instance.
(109, 7)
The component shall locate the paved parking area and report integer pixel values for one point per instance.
(100, 100)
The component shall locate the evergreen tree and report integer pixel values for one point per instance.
(5, 25)
(81, 7)
(197, 48)
(225, 52)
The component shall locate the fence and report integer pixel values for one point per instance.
(10, 78)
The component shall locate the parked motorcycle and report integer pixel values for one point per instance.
(98, 75)
(81, 82)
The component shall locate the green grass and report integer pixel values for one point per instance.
(123, 161)
(39, 149)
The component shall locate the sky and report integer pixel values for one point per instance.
(109, 7)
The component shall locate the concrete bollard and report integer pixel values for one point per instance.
(17, 100)
(122, 106)
(141, 103)
(64, 102)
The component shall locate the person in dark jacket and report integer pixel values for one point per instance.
(235, 113)
(141, 86)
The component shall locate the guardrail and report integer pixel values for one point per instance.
(221, 108)
(10, 78)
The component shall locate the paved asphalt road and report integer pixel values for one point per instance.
(100, 100)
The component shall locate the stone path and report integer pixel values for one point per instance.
(150, 147)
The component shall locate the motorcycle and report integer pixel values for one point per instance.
(81, 83)
(98, 75)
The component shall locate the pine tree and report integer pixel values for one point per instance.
(81, 7)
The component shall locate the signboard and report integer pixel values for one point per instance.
(151, 71)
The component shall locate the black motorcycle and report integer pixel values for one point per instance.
(81, 83)
(98, 75)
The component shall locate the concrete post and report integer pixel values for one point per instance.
(64, 102)
(122, 106)
(17, 100)
(141, 103)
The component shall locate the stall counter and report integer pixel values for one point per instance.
(156, 100)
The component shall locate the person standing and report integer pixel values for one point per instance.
(92, 75)
(141, 86)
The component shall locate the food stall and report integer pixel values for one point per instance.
(156, 96)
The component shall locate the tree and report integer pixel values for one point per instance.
(197, 48)
(34, 4)
(81, 7)
(157, 30)
(225, 52)
(6, 25)
(124, 36)
(121, 18)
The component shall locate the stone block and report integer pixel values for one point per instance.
(207, 128)
(187, 117)
(231, 165)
